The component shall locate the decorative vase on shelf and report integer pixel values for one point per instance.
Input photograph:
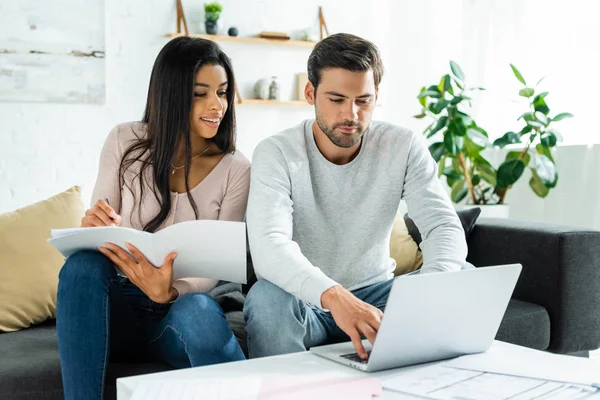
(210, 27)
(274, 89)
(261, 89)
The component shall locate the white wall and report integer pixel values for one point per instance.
(46, 148)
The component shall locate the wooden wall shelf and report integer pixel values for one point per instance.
(245, 39)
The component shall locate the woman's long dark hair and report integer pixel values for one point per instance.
(167, 120)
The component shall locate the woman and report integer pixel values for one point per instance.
(179, 163)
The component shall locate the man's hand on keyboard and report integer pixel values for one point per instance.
(353, 316)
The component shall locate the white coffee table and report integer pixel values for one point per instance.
(298, 364)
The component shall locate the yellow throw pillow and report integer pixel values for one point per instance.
(29, 266)
(404, 249)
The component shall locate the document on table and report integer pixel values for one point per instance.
(520, 361)
(440, 382)
(205, 248)
(256, 388)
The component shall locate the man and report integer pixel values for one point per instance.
(323, 198)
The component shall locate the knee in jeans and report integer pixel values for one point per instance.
(194, 307)
(85, 266)
(267, 300)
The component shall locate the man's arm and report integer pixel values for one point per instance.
(444, 245)
(275, 256)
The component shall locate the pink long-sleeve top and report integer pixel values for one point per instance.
(222, 195)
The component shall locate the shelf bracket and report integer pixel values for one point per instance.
(181, 18)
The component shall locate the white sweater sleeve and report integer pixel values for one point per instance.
(444, 245)
(276, 257)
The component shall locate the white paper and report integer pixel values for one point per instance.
(198, 389)
(532, 364)
(205, 248)
(445, 383)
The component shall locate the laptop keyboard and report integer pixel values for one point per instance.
(356, 358)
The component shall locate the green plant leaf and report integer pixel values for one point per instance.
(526, 130)
(471, 149)
(430, 93)
(456, 99)
(478, 138)
(457, 70)
(518, 74)
(486, 171)
(452, 173)
(541, 149)
(460, 86)
(540, 81)
(546, 170)
(507, 138)
(437, 150)
(556, 132)
(535, 124)
(456, 164)
(542, 118)
(420, 116)
(422, 99)
(526, 92)
(438, 106)
(459, 191)
(441, 124)
(513, 155)
(457, 126)
(537, 185)
(562, 116)
(447, 83)
(476, 180)
(549, 139)
(441, 164)
(539, 104)
(509, 172)
(442, 84)
(453, 143)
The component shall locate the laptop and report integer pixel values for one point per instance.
(434, 316)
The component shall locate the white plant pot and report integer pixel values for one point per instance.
(489, 211)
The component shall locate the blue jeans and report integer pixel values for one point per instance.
(277, 322)
(102, 316)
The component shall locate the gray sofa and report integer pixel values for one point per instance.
(555, 306)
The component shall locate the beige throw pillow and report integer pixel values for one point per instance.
(29, 266)
(404, 249)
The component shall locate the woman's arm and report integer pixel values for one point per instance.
(107, 182)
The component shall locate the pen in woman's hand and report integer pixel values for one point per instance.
(106, 200)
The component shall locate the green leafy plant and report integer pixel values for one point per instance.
(461, 140)
(539, 139)
(460, 151)
(212, 11)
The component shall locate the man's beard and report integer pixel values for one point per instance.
(340, 139)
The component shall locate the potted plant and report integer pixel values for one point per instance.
(461, 148)
(212, 13)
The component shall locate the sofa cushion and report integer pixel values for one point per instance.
(403, 249)
(28, 264)
(30, 366)
(525, 324)
(467, 217)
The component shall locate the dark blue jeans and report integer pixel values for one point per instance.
(102, 316)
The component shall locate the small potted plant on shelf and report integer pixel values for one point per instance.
(460, 151)
(212, 13)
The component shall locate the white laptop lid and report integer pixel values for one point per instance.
(436, 316)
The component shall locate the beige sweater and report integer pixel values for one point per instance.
(222, 195)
